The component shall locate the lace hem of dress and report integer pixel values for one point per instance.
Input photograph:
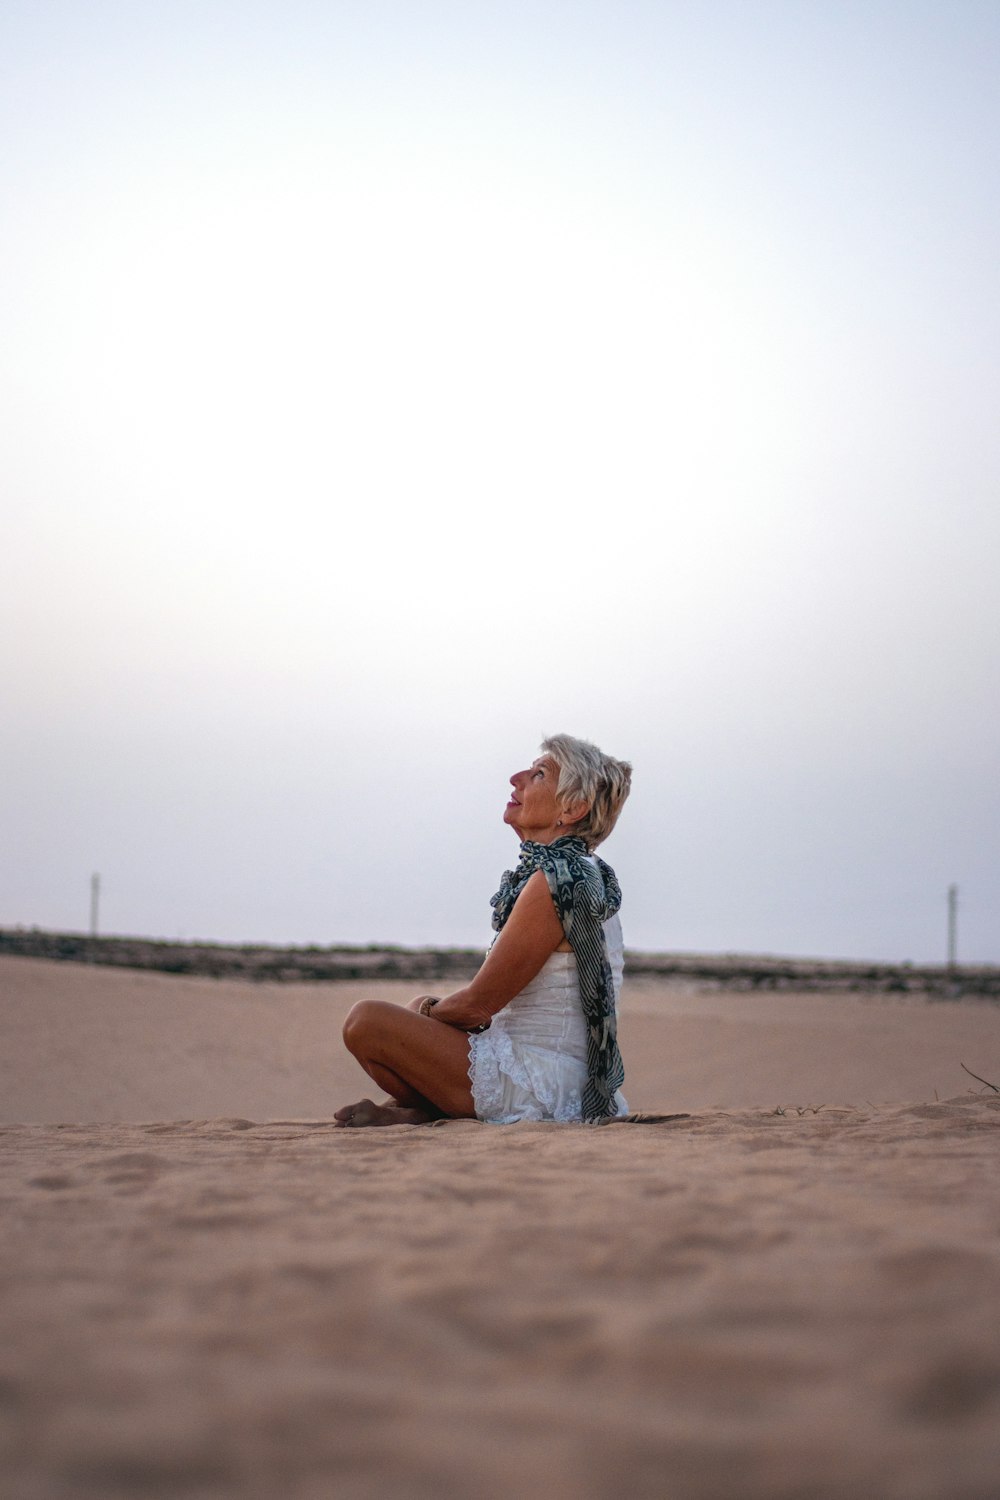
(496, 1048)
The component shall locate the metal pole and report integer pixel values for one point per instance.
(95, 896)
(952, 926)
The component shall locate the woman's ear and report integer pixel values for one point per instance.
(573, 812)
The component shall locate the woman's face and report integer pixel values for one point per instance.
(533, 810)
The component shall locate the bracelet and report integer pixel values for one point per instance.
(427, 1004)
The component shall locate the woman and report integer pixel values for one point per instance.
(533, 1037)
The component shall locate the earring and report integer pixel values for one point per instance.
(559, 822)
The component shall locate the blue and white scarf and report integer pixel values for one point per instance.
(585, 893)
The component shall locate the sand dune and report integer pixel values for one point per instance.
(85, 1043)
(247, 1302)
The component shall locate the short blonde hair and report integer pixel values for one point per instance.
(586, 774)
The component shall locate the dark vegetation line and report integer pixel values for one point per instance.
(264, 962)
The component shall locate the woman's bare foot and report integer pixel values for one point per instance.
(367, 1112)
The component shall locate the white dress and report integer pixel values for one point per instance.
(532, 1062)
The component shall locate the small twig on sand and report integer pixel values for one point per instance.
(980, 1080)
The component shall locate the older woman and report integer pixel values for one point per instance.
(533, 1037)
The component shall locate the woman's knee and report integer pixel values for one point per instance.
(364, 1021)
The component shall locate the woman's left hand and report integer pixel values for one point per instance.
(464, 1010)
(464, 1016)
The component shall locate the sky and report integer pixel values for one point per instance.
(387, 386)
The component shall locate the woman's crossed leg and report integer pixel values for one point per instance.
(422, 1064)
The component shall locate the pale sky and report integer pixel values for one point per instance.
(387, 385)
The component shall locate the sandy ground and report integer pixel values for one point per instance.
(207, 1291)
(86, 1043)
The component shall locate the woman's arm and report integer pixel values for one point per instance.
(530, 935)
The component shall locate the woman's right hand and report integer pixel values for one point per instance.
(418, 1000)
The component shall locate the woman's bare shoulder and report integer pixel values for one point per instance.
(537, 896)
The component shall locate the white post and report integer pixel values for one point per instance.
(95, 896)
(952, 926)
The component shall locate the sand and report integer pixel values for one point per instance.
(208, 1291)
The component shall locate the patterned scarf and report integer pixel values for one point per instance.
(585, 895)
